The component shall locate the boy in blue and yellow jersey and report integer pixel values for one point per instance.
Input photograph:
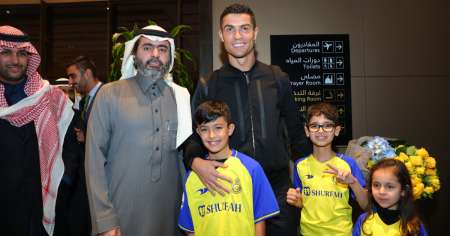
(324, 180)
(251, 200)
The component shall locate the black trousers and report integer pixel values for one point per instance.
(287, 222)
(72, 210)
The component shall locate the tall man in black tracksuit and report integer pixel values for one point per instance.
(262, 107)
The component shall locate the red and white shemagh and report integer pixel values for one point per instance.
(50, 110)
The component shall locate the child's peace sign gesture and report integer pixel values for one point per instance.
(342, 176)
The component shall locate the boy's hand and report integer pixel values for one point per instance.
(294, 197)
(206, 170)
(342, 176)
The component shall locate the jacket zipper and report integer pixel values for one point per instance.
(247, 79)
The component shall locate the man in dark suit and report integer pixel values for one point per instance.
(82, 75)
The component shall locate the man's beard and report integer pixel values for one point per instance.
(151, 73)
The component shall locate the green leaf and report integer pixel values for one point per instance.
(122, 28)
(118, 50)
(117, 46)
(411, 151)
(135, 28)
(400, 148)
(177, 30)
(150, 22)
(128, 35)
(186, 54)
(115, 37)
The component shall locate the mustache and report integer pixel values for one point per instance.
(153, 60)
(14, 65)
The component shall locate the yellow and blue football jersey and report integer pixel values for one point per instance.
(374, 226)
(250, 201)
(326, 209)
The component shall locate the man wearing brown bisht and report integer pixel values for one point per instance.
(38, 157)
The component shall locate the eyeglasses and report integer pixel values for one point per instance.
(327, 127)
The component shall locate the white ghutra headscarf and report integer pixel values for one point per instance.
(182, 97)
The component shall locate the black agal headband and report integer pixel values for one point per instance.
(154, 33)
(14, 38)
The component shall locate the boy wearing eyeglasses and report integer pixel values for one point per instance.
(325, 180)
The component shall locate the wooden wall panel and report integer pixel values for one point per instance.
(24, 17)
(129, 12)
(191, 38)
(72, 29)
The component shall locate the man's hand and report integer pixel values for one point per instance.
(209, 176)
(80, 135)
(294, 197)
(113, 232)
(342, 176)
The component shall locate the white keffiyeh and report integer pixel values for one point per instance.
(182, 96)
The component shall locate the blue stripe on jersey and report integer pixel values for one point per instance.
(267, 216)
(264, 202)
(297, 182)
(357, 227)
(185, 218)
(356, 172)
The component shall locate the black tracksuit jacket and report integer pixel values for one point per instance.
(262, 108)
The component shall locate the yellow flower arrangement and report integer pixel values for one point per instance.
(422, 168)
